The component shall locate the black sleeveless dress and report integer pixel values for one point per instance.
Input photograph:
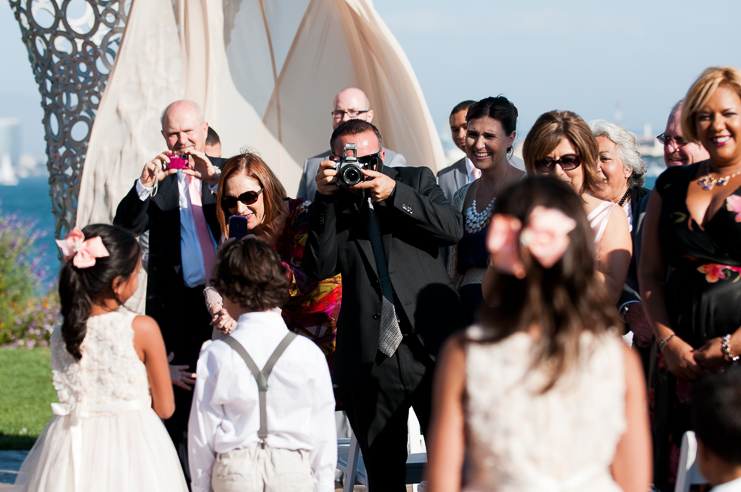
(703, 301)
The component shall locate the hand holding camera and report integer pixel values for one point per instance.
(356, 173)
(202, 167)
(326, 178)
(379, 186)
(156, 170)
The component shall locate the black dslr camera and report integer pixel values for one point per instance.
(350, 167)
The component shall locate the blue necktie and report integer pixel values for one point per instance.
(390, 336)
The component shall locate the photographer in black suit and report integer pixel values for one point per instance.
(178, 208)
(384, 236)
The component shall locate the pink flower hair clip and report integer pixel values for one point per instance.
(82, 252)
(546, 236)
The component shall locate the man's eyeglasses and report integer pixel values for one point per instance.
(352, 113)
(665, 139)
(248, 198)
(567, 162)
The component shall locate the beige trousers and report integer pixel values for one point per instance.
(263, 470)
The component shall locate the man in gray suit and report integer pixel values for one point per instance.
(455, 176)
(349, 104)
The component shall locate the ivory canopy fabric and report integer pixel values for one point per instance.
(265, 73)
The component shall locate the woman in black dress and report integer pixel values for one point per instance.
(690, 265)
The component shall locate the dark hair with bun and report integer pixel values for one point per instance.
(497, 108)
(251, 274)
(79, 287)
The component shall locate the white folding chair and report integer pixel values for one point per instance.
(688, 474)
(350, 459)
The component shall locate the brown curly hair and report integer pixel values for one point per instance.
(250, 274)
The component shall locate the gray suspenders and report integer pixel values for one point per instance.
(261, 377)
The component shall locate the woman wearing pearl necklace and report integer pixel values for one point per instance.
(490, 134)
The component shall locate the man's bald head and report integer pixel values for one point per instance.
(351, 101)
(183, 126)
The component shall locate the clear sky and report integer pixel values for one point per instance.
(585, 56)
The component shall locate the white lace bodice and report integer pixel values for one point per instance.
(563, 440)
(110, 370)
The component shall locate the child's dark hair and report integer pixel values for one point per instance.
(250, 274)
(716, 419)
(78, 287)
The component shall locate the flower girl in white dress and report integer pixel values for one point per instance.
(542, 394)
(110, 372)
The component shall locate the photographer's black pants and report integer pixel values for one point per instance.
(378, 412)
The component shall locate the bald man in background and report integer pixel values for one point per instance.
(349, 104)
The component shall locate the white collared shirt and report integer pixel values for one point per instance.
(191, 255)
(300, 402)
(732, 486)
(470, 170)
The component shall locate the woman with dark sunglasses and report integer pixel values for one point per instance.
(490, 134)
(561, 144)
(250, 189)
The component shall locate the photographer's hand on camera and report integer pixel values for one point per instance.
(326, 178)
(378, 184)
(200, 166)
(154, 170)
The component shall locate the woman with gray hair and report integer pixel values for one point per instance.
(620, 166)
(623, 172)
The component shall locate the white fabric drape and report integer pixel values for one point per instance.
(265, 73)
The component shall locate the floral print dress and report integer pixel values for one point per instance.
(703, 301)
(313, 307)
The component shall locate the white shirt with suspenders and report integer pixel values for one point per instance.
(226, 422)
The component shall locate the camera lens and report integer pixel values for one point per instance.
(351, 175)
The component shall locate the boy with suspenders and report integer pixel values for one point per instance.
(260, 429)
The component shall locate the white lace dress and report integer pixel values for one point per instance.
(560, 441)
(104, 435)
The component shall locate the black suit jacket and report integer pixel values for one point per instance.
(160, 215)
(630, 288)
(416, 221)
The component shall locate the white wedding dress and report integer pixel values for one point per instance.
(563, 440)
(104, 435)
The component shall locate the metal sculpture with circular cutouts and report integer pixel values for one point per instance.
(72, 46)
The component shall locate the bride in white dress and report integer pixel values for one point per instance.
(542, 394)
(106, 433)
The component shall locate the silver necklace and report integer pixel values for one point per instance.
(475, 221)
(708, 182)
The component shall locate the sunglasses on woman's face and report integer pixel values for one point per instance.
(567, 163)
(248, 198)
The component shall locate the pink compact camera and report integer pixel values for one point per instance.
(177, 161)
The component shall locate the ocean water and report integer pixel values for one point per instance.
(31, 201)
